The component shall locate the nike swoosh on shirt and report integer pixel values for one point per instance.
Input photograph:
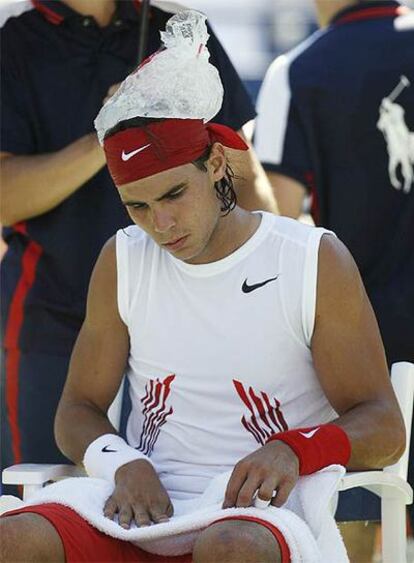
(106, 450)
(246, 288)
(310, 433)
(127, 155)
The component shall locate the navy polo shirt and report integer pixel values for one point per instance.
(337, 114)
(56, 69)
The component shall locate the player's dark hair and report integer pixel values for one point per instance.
(224, 187)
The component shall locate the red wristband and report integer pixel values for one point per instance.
(317, 446)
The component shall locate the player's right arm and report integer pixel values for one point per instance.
(31, 185)
(97, 364)
(96, 369)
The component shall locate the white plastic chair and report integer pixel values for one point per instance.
(390, 484)
(34, 476)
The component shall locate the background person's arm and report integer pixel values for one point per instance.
(237, 111)
(281, 137)
(350, 361)
(289, 194)
(252, 187)
(31, 185)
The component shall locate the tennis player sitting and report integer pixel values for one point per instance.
(248, 341)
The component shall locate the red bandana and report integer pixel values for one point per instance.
(140, 152)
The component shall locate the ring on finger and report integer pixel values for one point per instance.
(263, 503)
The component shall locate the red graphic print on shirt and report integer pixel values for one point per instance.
(265, 416)
(155, 412)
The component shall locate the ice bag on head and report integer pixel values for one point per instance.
(176, 82)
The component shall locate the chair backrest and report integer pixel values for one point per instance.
(402, 378)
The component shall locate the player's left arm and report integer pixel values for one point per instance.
(350, 361)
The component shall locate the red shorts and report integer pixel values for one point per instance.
(84, 543)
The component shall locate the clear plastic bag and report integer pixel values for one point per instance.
(176, 82)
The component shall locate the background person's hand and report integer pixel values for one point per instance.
(111, 91)
(138, 496)
(273, 467)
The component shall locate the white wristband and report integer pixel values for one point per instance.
(108, 453)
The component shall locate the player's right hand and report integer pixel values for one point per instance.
(138, 496)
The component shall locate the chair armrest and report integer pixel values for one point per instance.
(379, 482)
(38, 473)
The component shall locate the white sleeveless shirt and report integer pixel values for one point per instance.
(219, 353)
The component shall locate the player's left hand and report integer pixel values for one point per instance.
(273, 467)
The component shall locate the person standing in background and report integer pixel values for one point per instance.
(60, 60)
(336, 122)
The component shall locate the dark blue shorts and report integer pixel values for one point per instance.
(358, 504)
(31, 385)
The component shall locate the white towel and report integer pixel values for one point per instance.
(306, 520)
(10, 502)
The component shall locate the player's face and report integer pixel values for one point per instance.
(179, 209)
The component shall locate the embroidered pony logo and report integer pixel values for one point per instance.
(399, 139)
(264, 418)
(155, 412)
